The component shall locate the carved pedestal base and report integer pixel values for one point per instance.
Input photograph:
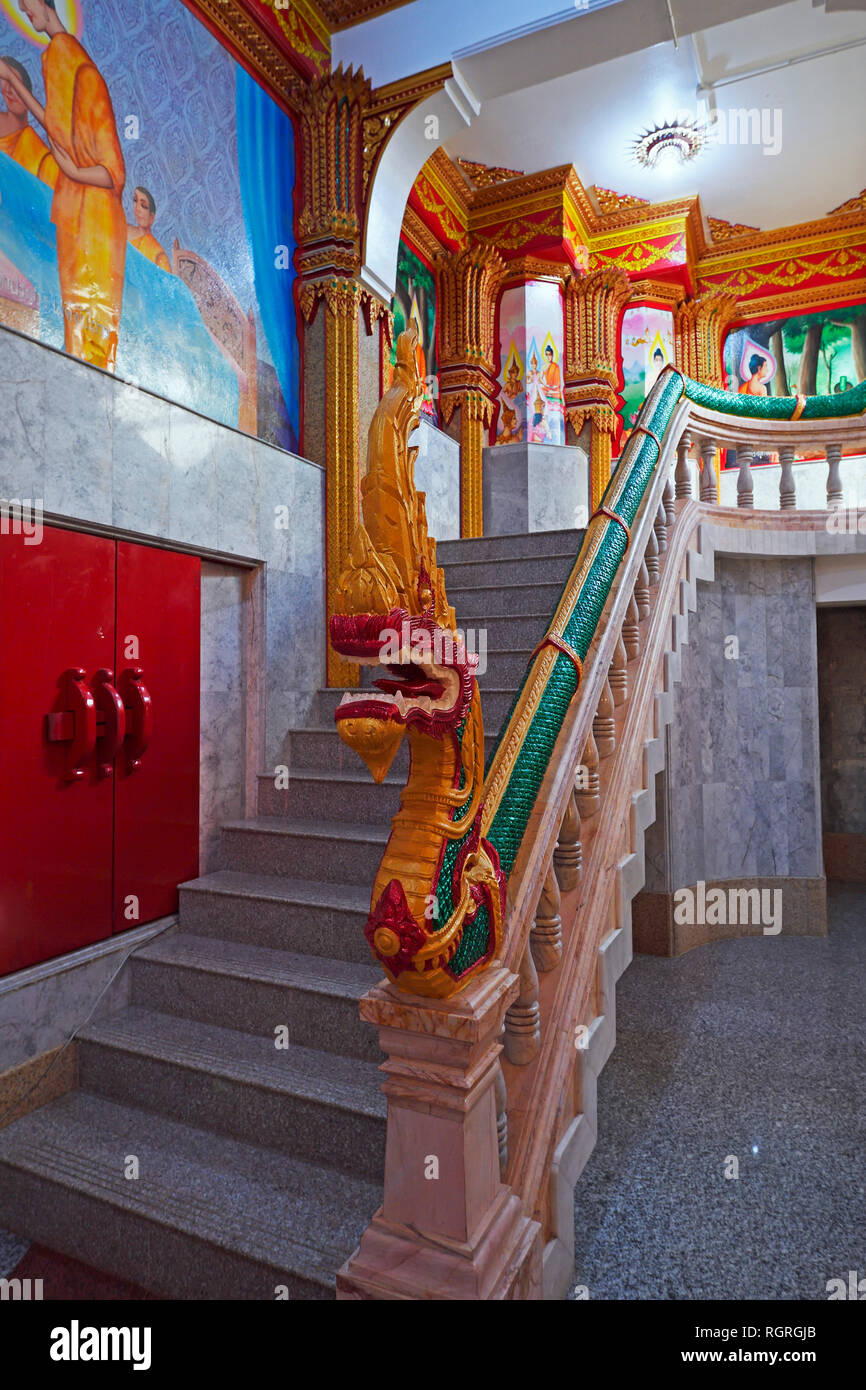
(392, 1262)
(447, 1228)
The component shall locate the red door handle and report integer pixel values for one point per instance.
(110, 720)
(139, 714)
(76, 724)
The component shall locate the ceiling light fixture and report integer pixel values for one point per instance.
(674, 142)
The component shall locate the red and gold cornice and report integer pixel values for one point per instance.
(550, 216)
(666, 292)
(342, 14)
(276, 46)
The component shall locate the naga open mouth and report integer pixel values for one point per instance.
(426, 671)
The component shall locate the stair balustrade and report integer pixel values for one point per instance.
(619, 630)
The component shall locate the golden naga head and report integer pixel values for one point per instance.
(392, 610)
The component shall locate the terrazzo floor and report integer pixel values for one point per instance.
(752, 1049)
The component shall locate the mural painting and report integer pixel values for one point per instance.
(415, 302)
(803, 354)
(146, 187)
(647, 344)
(807, 354)
(532, 397)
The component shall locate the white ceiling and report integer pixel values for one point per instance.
(587, 115)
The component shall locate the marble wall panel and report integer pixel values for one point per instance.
(743, 770)
(437, 474)
(534, 487)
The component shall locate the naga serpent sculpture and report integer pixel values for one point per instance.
(438, 903)
(393, 614)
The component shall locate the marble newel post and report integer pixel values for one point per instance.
(448, 1227)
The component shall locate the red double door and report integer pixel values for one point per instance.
(99, 739)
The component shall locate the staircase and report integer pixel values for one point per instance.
(240, 1075)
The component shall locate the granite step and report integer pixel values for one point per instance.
(256, 990)
(208, 1218)
(507, 632)
(311, 1104)
(525, 544)
(308, 917)
(321, 747)
(525, 569)
(510, 599)
(327, 850)
(337, 796)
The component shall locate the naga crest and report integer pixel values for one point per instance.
(438, 900)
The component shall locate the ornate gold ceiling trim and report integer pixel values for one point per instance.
(646, 232)
(309, 12)
(449, 184)
(801, 301)
(416, 232)
(856, 204)
(845, 228)
(536, 268)
(663, 290)
(343, 14)
(755, 251)
(518, 196)
(249, 41)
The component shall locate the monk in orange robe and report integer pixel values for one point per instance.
(87, 210)
(140, 235)
(18, 139)
(553, 379)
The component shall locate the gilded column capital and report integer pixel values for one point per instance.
(594, 306)
(699, 325)
(469, 282)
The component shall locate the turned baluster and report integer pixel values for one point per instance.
(545, 938)
(588, 792)
(618, 673)
(603, 726)
(745, 484)
(835, 494)
(669, 502)
(709, 481)
(501, 1094)
(787, 484)
(642, 593)
(631, 630)
(660, 527)
(523, 1019)
(568, 855)
(683, 474)
(651, 559)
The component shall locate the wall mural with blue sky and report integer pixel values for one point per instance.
(146, 186)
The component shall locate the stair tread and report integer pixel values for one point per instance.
(348, 1083)
(264, 964)
(495, 588)
(302, 892)
(514, 559)
(490, 618)
(297, 1216)
(325, 829)
(319, 774)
